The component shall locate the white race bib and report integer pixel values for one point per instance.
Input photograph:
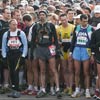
(82, 40)
(66, 40)
(14, 42)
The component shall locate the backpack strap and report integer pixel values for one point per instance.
(8, 35)
(48, 27)
(18, 34)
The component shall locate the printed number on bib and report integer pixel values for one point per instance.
(14, 43)
(81, 40)
(52, 50)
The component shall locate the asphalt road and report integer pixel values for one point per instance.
(26, 97)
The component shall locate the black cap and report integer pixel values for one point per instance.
(35, 7)
(43, 11)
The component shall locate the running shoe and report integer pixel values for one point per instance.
(52, 93)
(41, 94)
(33, 93)
(14, 94)
(69, 91)
(96, 94)
(25, 92)
(87, 95)
(59, 95)
(75, 94)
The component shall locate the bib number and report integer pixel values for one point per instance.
(52, 49)
(14, 43)
(82, 40)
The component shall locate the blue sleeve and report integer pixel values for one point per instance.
(24, 42)
(4, 45)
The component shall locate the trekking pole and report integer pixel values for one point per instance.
(18, 64)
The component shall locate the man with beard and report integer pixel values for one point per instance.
(44, 34)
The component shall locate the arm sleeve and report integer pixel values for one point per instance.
(24, 42)
(4, 45)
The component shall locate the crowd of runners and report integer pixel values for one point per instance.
(50, 47)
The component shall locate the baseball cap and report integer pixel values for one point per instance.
(24, 2)
(78, 16)
(43, 11)
(97, 9)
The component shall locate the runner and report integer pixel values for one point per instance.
(64, 32)
(80, 51)
(45, 36)
(14, 51)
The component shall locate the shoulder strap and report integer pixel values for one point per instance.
(18, 33)
(8, 34)
(48, 27)
(37, 27)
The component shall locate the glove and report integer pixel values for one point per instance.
(22, 61)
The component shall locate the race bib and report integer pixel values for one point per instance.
(81, 40)
(52, 49)
(66, 40)
(14, 43)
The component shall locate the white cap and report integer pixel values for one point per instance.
(97, 9)
(77, 17)
(98, 26)
(24, 2)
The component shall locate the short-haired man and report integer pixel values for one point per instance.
(31, 62)
(64, 32)
(14, 51)
(80, 51)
